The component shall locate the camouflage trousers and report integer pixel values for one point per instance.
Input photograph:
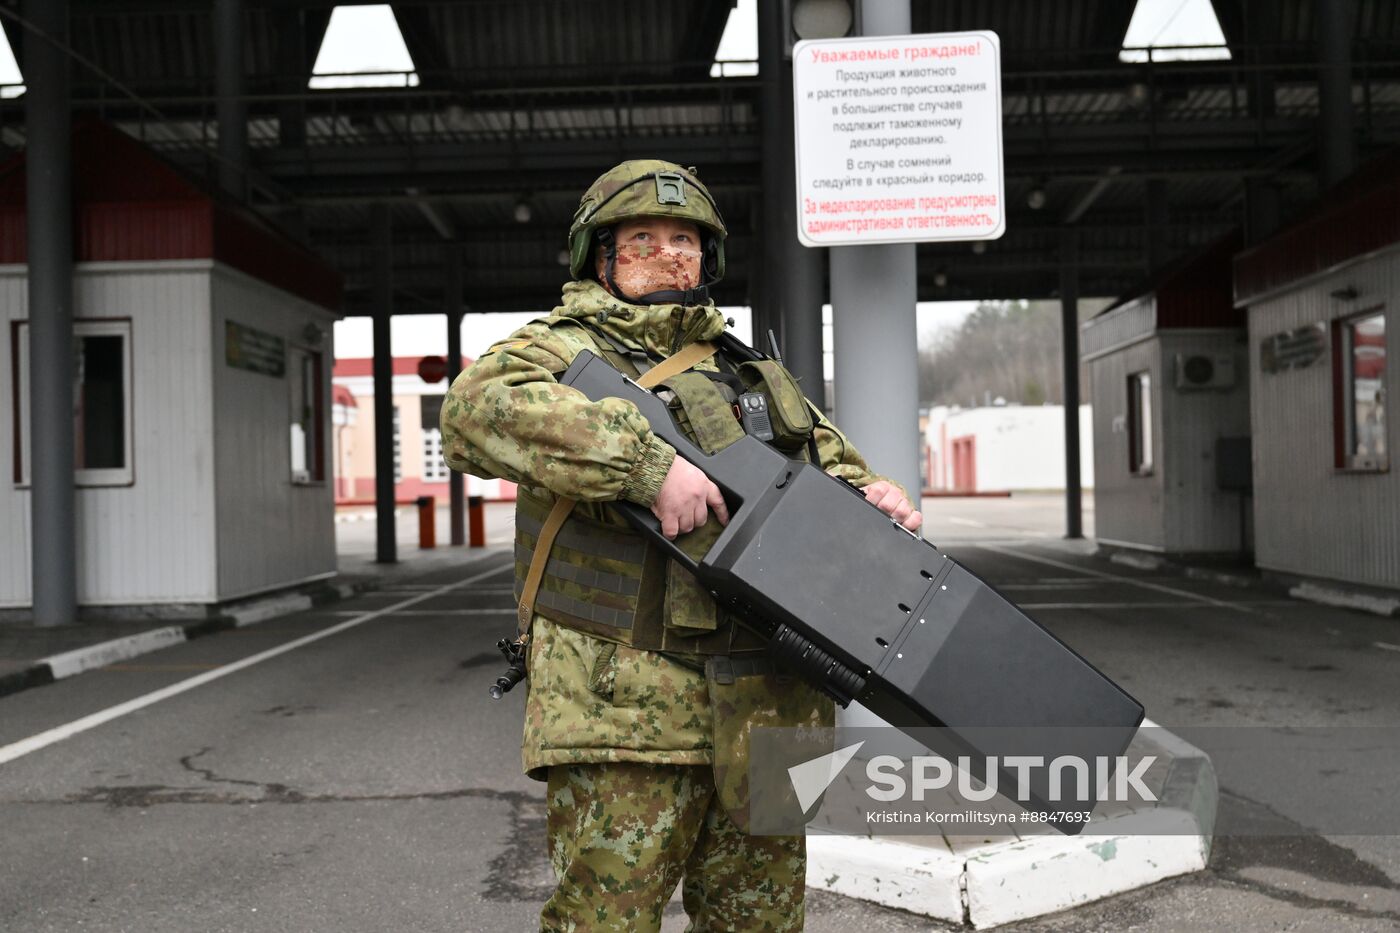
(621, 835)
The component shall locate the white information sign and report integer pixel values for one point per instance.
(899, 139)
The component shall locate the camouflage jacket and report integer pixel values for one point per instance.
(506, 416)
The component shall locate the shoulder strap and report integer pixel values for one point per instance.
(678, 363)
(633, 362)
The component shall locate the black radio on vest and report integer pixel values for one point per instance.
(753, 412)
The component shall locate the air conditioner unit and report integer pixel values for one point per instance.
(1205, 371)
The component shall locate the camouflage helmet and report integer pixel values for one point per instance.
(646, 188)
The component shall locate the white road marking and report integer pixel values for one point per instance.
(973, 523)
(1156, 587)
(59, 733)
(1386, 645)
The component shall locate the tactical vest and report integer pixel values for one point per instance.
(604, 578)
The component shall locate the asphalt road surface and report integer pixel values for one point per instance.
(343, 769)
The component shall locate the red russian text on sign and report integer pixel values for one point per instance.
(886, 155)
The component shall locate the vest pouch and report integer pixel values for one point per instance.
(787, 406)
(689, 608)
(704, 412)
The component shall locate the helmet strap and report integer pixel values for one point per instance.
(605, 240)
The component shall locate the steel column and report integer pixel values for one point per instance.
(1261, 208)
(452, 286)
(1069, 346)
(793, 290)
(874, 332)
(230, 108)
(875, 339)
(1336, 142)
(1157, 217)
(49, 232)
(291, 64)
(381, 232)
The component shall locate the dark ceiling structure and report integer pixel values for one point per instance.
(521, 104)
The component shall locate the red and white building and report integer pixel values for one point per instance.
(418, 466)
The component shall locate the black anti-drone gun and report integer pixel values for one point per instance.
(865, 610)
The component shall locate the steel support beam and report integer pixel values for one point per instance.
(1157, 220)
(1263, 213)
(452, 304)
(874, 332)
(1069, 344)
(1336, 134)
(293, 66)
(49, 232)
(792, 272)
(875, 338)
(231, 108)
(386, 539)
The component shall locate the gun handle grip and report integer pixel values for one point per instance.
(641, 518)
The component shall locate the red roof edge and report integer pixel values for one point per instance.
(1194, 291)
(1359, 216)
(130, 204)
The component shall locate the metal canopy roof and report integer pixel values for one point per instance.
(529, 100)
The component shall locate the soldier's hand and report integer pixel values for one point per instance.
(887, 497)
(685, 499)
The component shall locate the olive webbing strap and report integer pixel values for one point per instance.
(686, 358)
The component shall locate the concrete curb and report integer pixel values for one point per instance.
(1346, 599)
(67, 663)
(1017, 879)
(1379, 602)
(897, 874)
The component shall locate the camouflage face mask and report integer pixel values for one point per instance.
(643, 268)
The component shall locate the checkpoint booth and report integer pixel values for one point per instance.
(1321, 297)
(1170, 395)
(203, 351)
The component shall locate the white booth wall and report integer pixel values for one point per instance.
(271, 532)
(1177, 507)
(1314, 519)
(208, 513)
(152, 540)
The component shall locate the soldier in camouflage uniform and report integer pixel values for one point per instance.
(642, 691)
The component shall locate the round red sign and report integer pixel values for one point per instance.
(432, 369)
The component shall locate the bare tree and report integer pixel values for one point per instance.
(1006, 350)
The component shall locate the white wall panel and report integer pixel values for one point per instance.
(1128, 509)
(14, 504)
(152, 541)
(1200, 517)
(271, 532)
(1311, 518)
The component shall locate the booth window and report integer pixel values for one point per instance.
(102, 407)
(1140, 423)
(398, 452)
(435, 469)
(1359, 365)
(308, 416)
